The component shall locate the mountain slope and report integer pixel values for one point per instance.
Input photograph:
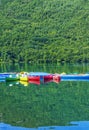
(54, 30)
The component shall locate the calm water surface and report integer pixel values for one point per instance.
(51, 104)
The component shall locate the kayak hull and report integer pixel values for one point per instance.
(56, 78)
(47, 78)
(43, 77)
(40, 77)
(33, 78)
(24, 78)
(12, 77)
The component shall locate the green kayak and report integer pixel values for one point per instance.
(12, 78)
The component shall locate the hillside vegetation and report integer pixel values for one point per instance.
(44, 31)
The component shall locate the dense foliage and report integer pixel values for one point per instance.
(44, 31)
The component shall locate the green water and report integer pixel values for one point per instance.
(48, 104)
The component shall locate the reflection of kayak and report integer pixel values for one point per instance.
(34, 82)
(75, 77)
(12, 83)
(24, 83)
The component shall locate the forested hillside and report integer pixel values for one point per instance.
(44, 30)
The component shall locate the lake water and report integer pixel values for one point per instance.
(50, 106)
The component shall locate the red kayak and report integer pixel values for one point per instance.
(40, 79)
(56, 78)
(34, 78)
(48, 78)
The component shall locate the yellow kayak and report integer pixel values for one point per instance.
(25, 78)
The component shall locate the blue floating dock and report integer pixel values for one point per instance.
(38, 73)
(74, 77)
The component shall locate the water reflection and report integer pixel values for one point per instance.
(52, 105)
(11, 83)
(38, 83)
(4, 126)
(78, 125)
(24, 83)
